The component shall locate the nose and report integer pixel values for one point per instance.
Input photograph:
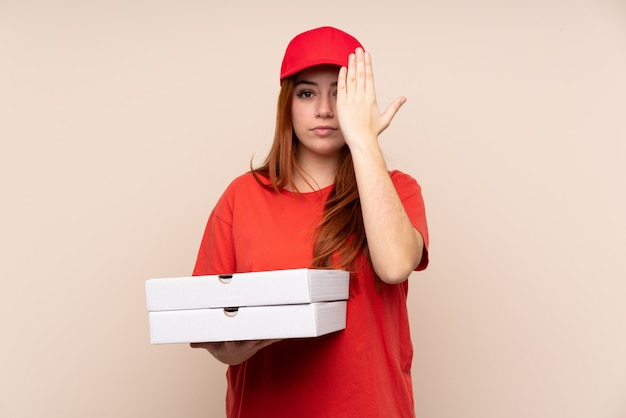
(325, 107)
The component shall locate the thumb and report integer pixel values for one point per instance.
(391, 111)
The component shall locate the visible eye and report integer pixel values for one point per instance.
(305, 94)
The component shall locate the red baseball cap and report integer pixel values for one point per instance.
(324, 45)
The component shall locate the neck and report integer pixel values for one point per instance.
(317, 173)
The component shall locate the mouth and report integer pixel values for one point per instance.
(324, 130)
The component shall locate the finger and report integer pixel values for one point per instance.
(265, 343)
(360, 70)
(204, 345)
(351, 75)
(341, 82)
(233, 345)
(252, 343)
(258, 344)
(369, 72)
(391, 111)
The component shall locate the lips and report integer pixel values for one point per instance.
(324, 130)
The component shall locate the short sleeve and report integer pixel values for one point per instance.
(217, 253)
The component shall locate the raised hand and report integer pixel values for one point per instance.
(359, 117)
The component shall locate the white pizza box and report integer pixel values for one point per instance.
(247, 323)
(276, 287)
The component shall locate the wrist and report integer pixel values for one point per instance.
(367, 152)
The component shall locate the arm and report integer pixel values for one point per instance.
(395, 245)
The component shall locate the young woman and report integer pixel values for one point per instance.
(324, 198)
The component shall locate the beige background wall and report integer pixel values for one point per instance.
(122, 121)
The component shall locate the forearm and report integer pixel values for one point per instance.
(395, 246)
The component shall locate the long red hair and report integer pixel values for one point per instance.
(340, 236)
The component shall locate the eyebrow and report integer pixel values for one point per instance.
(311, 83)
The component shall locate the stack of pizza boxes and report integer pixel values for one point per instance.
(294, 303)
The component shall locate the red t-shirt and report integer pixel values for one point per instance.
(362, 371)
